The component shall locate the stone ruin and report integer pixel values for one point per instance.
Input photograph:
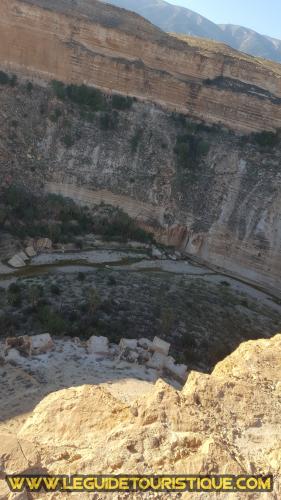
(153, 354)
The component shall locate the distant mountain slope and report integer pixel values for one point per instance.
(176, 19)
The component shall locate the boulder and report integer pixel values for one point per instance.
(160, 346)
(17, 261)
(22, 255)
(41, 343)
(13, 356)
(21, 344)
(43, 244)
(178, 372)
(30, 252)
(128, 343)
(145, 343)
(156, 253)
(129, 355)
(98, 345)
(157, 361)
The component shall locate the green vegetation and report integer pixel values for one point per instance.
(189, 150)
(29, 87)
(90, 99)
(266, 139)
(117, 225)
(109, 121)
(81, 95)
(135, 140)
(121, 103)
(61, 220)
(55, 115)
(68, 140)
(52, 321)
(5, 79)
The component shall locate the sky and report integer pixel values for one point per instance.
(263, 16)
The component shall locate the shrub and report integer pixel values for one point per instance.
(29, 87)
(266, 139)
(109, 121)
(14, 288)
(81, 277)
(122, 103)
(52, 321)
(135, 140)
(4, 78)
(55, 290)
(68, 140)
(14, 299)
(55, 115)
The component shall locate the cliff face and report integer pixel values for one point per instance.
(86, 41)
(222, 206)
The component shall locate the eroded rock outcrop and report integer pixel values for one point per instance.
(87, 41)
(226, 422)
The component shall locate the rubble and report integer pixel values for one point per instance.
(143, 352)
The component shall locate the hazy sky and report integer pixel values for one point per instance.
(263, 16)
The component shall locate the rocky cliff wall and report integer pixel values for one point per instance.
(221, 205)
(101, 45)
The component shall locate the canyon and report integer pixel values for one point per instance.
(225, 210)
(140, 200)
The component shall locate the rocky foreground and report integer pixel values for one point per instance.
(226, 422)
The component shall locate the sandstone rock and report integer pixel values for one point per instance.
(17, 455)
(43, 244)
(21, 344)
(98, 345)
(41, 343)
(160, 346)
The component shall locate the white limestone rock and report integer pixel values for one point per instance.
(128, 343)
(160, 346)
(30, 252)
(156, 253)
(17, 261)
(179, 372)
(98, 345)
(157, 361)
(145, 343)
(13, 356)
(41, 343)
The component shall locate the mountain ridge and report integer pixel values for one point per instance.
(181, 20)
